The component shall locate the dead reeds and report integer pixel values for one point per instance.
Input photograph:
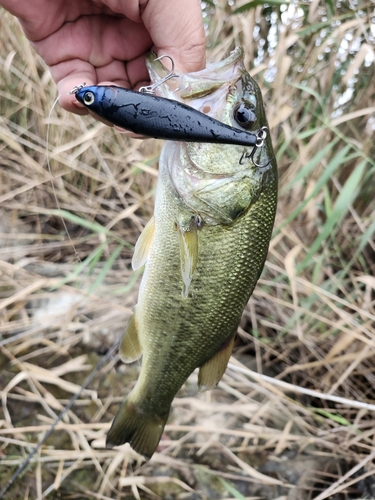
(293, 417)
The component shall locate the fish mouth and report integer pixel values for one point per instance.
(198, 84)
(195, 173)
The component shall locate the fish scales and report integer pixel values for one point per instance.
(201, 323)
(204, 251)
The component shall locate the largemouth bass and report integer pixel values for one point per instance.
(204, 250)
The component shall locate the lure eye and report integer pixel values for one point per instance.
(244, 115)
(89, 98)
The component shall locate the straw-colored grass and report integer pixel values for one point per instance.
(294, 415)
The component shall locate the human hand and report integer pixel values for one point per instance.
(105, 41)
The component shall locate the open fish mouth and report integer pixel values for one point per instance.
(200, 83)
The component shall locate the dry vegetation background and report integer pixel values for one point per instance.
(305, 433)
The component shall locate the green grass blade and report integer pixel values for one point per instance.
(333, 165)
(231, 489)
(255, 3)
(107, 266)
(94, 256)
(366, 236)
(332, 416)
(132, 281)
(313, 28)
(310, 91)
(305, 171)
(91, 225)
(341, 206)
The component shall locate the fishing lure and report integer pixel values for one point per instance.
(159, 117)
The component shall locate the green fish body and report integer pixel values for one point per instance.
(204, 251)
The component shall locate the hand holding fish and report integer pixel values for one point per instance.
(106, 41)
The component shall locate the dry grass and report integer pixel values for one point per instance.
(293, 417)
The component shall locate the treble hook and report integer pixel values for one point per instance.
(261, 137)
(150, 89)
(77, 88)
(259, 142)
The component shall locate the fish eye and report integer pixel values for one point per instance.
(244, 115)
(89, 98)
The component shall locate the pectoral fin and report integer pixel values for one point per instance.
(130, 347)
(211, 372)
(188, 254)
(143, 245)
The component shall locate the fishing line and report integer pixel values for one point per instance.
(98, 367)
(52, 178)
(88, 380)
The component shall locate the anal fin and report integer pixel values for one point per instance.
(211, 372)
(143, 245)
(130, 347)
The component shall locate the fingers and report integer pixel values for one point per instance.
(69, 74)
(94, 50)
(38, 18)
(176, 28)
(96, 41)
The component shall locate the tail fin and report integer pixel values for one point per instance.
(132, 425)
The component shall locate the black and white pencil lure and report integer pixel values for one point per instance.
(159, 117)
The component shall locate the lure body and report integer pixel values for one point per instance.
(159, 117)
